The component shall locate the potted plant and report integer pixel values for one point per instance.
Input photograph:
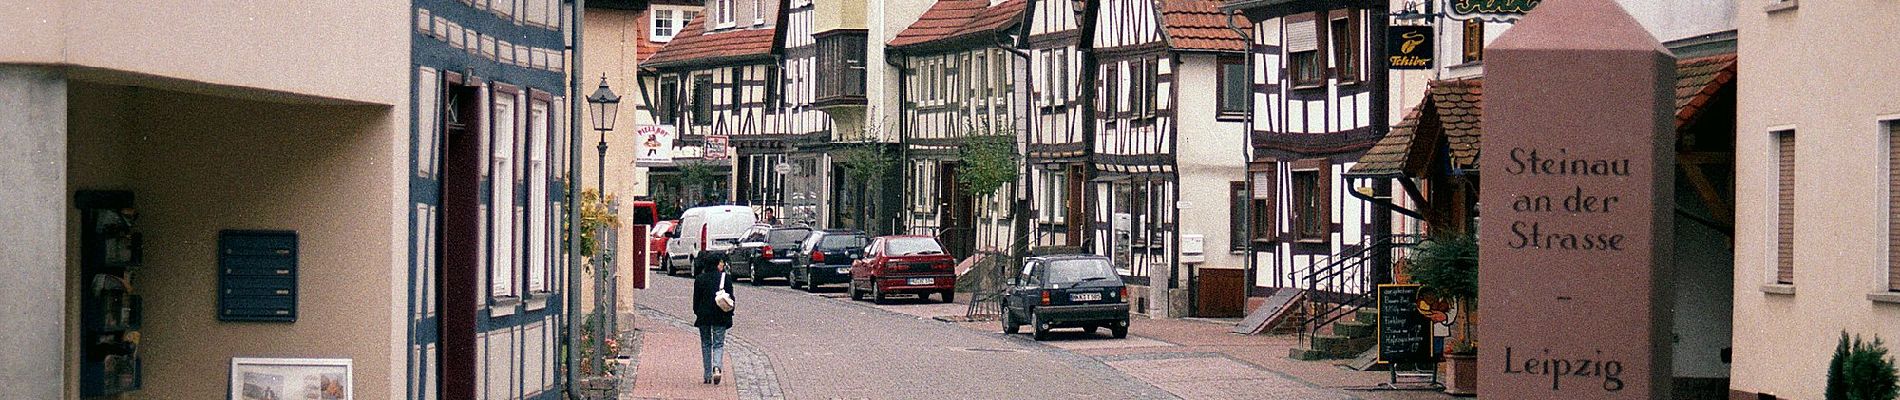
(1447, 267)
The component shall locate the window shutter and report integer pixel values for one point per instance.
(1893, 206)
(1784, 255)
(1301, 36)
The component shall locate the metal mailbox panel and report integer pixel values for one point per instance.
(257, 276)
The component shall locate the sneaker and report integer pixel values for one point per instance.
(716, 373)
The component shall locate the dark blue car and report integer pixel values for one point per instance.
(827, 258)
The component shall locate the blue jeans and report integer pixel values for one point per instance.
(712, 348)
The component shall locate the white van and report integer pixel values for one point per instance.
(706, 231)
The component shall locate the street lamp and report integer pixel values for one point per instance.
(603, 106)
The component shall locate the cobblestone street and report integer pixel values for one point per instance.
(792, 344)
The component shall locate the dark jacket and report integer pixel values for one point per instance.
(704, 308)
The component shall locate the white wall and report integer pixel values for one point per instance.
(32, 224)
(1211, 154)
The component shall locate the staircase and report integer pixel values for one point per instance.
(1338, 287)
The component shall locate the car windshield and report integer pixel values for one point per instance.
(1080, 270)
(787, 235)
(842, 242)
(908, 246)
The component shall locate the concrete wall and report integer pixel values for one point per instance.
(886, 19)
(1210, 156)
(349, 50)
(612, 39)
(32, 169)
(1823, 69)
(200, 164)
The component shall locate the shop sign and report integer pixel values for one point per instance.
(717, 147)
(1410, 47)
(1489, 10)
(653, 145)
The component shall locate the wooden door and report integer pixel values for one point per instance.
(1077, 216)
(1220, 292)
(460, 245)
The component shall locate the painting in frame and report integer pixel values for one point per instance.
(291, 379)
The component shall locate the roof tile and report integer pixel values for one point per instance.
(1199, 25)
(948, 20)
(694, 45)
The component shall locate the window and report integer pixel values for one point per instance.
(1312, 208)
(1474, 40)
(1237, 216)
(1111, 90)
(1263, 189)
(736, 88)
(724, 10)
(502, 217)
(772, 89)
(841, 55)
(1784, 217)
(669, 98)
(758, 12)
(1233, 86)
(702, 100)
(1302, 53)
(538, 210)
(668, 21)
(1346, 49)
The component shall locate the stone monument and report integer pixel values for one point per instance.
(1577, 198)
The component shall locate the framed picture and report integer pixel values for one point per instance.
(290, 379)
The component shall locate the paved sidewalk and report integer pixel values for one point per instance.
(666, 366)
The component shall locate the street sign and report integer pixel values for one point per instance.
(782, 168)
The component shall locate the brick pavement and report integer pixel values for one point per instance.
(668, 366)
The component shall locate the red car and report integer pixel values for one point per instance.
(656, 240)
(904, 265)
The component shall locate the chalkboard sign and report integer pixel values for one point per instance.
(1404, 334)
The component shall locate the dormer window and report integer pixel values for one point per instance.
(668, 21)
(723, 9)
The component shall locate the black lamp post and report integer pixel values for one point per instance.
(604, 105)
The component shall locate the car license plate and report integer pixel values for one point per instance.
(844, 270)
(1085, 297)
(922, 281)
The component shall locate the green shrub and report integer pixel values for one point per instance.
(1861, 371)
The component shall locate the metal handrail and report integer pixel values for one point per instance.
(1333, 276)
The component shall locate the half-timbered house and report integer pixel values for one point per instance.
(715, 81)
(1059, 132)
(961, 73)
(1311, 119)
(1165, 148)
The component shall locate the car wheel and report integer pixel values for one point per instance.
(877, 294)
(809, 285)
(855, 294)
(1036, 328)
(756, 279)
(1119, 332)
(949, 296)
(1010, 326)
(791, 278)
(1090, 329)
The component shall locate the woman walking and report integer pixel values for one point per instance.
(713, 317)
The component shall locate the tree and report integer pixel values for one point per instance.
(1861, 371)
(989, 160)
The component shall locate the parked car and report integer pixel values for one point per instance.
(656, 243)
(827, 258)
(705, 233)
(766, 252)
(904, 265)
(1066, 291)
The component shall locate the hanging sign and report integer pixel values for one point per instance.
(1410, 47)
(717, 147)
(653, 145)
(1489, 10)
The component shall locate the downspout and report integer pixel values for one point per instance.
(1246, 132)
(1019, 247)
(903, 141)
(574, 268)
(1381, 125)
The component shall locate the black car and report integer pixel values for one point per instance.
(828, 257)
(766, 252)
(1067, 291)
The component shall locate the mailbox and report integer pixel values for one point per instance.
(257, 276)
(1193, 248)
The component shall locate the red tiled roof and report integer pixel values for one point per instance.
(694, 46)
(949, 20)
(1697, 80)
(1199, 25)
(1457, 108)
